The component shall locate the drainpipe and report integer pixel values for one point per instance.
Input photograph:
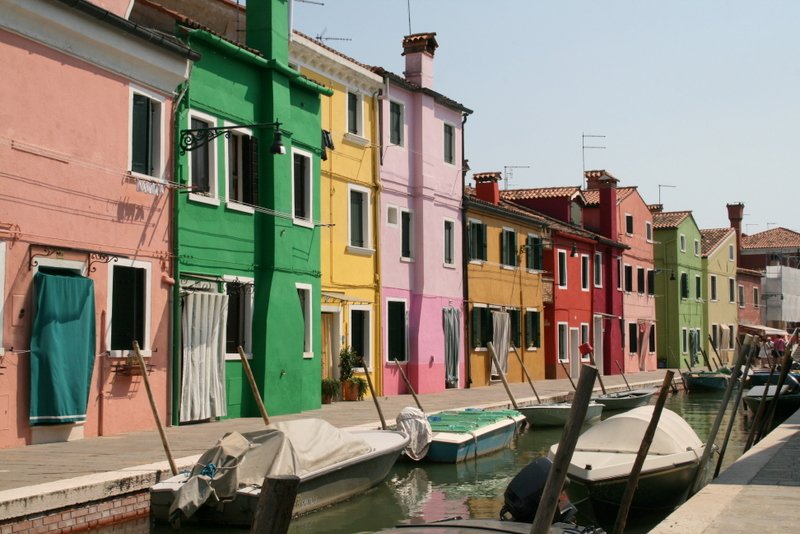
(465, 261)
(377, 160)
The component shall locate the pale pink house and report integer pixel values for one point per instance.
(85, 217)
(636, 282)
(421, 267)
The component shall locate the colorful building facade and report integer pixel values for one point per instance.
(720, 293)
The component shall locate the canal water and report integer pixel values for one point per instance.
(474, 489)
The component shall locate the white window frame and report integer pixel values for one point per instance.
(230, 203)
(402, 123)
(366, 209)
(756, 297)
(389, 209)
(308, 223)
(620, 272)
(470, 223)
(697, 247)
(682, 242)
(585, 273)
(731, 255)
(629, 216)
(597, 271)
(740, 294)
(248, 316)
(308, 337)
(148, 301)
(2, 294)
(632, 339)
(562, 267)
(715, 335)
(160, 172)
(731, 290)
(452, 223)
(713, 289)
(411, 243)
(641, 289)
(532, 310)
(367, 333)
(405, 327)
(453, 148)
(648, 231)
(358, 138)
(585, 339)
(698, 280)
(565, 348)
(212, 197)
(627, 278)
(508, 230)
(731, 336)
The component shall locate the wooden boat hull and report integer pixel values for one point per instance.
(556, 414)
(317, 489)
(706, 381)
(759, 378)
(469, 526)
(625, 400)
(453, 447)
(788, 403)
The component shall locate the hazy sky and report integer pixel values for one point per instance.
(702, 95)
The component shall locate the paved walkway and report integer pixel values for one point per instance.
(38, 478)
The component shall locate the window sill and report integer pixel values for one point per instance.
(147, 177)
(356, 139)
(449, 265)
(561, 287)
(585, 289)
(308, 355)
(204, 199)
(234, 356)
(305, 223)
(405, 259)
(534, 271)
(477, 262)
(127, 353)
(360, 251)
(480, 349)
(509, 267)
(235, 206)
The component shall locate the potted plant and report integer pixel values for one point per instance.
(330, 390)
(359, 385)
(353, 387)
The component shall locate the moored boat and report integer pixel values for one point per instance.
(225, 484)
(461, 434)
(706, 380)
(556, 414)
(625, 400)
(788, 400)
(605, 454)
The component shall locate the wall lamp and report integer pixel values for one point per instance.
(671, 273)
(574, 250)
(194, 138)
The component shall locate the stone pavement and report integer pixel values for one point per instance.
(44, 477)
(758, 493)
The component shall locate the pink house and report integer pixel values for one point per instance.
(85, 218)
(421, 272)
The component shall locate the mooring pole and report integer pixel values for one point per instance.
(372, 393)
(524, 370)
(408, 384)
(746, 348)
(253, 387)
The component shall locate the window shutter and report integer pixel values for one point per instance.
(470, 245)
(503, 247)
(483, 242)
(476, 327)
(250, 162)
(140, 135)
(536, 331)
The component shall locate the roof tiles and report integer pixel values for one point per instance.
(669, 219)
(773, 238)
(712, 237)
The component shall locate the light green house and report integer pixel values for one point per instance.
(680, 309)
(720, 292)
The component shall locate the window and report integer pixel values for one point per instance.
(684, 341)
(359, 217)
(532, 329)
(407, 237)
(477, 240)
(240, 317)
(449, 242)
(731, 290)
(713, 287)
(562, 268)
(698, 287)
(397, 327)
(508, 247)
(130, 305)
(562, 342)
(242, 168)
(302, 187)
(481, 326)
(741, 296)
(651, 282)
(360, 331)
(651, 346)
(619, 274)
(684, 286)
(756, 298)
(354, 113)
(628, 278)
(648, 231)
(715, 335)
(731, 255)
(696, 247)
(304, 298)
(683, 242)
(146, 134)
(396, 121)
(640, 280)
(584, 272)
(629, 224)
(598, 269)
(202, 160)
(534, 253)
(585, 339)
(633, 338)
(391, 215)
(731, 336)
(514, 325)
(449, 144)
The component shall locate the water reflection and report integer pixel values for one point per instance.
(416, 492)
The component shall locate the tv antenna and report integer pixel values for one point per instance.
(508, 173)
(584, 146)
(311, 2)
(771, 224)
(322, 37)
(747, 227)
(659, 190)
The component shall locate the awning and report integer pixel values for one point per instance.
(335, 297)
(762, 330)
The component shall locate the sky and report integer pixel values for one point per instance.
(699, 97)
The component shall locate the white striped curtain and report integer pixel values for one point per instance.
(501, 340)
(203, 325)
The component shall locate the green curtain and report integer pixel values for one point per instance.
(62, 347)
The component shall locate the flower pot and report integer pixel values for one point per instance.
(327, 399)
(349, 391)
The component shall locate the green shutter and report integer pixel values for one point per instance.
(484, 257)
(538, 253)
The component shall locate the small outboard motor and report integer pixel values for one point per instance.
(524, 492)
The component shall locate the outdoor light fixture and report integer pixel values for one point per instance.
(671, 273)
(574, 250)
(194, 138)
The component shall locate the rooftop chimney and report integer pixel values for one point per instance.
(594, 178)
(487, 186)
(607, 185)
(655, 208)
(735, 216)
(419, 49)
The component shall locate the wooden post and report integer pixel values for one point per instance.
(154, 408)
(253, 386)
(623, 376)
(502, 375)
(566, 447)
(644, 447)
(705, 357)
(408, 385)
(372, 392)
(757, 419)
(564, 367)
(599, 378)
(689, 367)
(524, 370)
(275, 504)
(746, 348)
(785, 365)
(713, 346)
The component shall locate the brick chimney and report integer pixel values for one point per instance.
(608, 202)
(487, 187)
(655, 208)
(418, 49)
(593, 178)
(735, 216)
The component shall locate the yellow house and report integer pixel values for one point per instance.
(349, 172)
(505, 245)
(720, 292)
